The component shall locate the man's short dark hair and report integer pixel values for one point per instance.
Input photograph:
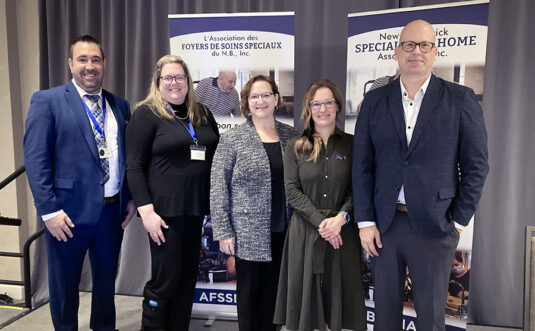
(86, 39)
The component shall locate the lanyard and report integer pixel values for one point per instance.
(189, 128)
(93, 119)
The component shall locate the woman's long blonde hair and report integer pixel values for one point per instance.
(196, 113)
(309, 144)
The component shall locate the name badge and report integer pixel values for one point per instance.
(104, 152)
(198, 152)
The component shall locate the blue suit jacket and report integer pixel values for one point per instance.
(442, 170)
(61, 158)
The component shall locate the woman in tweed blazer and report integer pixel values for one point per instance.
(247, 201)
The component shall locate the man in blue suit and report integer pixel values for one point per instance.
(75, 162)
(419, 164)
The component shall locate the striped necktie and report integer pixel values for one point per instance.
(100, 139)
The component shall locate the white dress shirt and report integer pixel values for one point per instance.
(411, 109)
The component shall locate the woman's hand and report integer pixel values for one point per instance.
(330, 227)
(227, 246)
(336, 242)
(153, 223)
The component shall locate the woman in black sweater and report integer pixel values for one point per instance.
(170, 143)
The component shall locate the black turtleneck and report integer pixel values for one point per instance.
(180, 110)
(159, 167)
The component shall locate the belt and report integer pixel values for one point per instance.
(111, 199)
(401, 208)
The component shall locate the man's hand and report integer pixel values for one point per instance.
(130, 210)
(227, 246)
(369, 238)
(153, 223)
(59, 226)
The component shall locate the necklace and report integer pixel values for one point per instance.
(180, 118)
(175, 112)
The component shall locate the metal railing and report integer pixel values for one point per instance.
(12, 177)
(25, 255)
(528, 276)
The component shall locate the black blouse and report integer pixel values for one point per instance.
(159, 167)
(278, 201)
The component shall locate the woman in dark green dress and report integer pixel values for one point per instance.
(320, 279)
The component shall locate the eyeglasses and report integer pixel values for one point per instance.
(168, 80)
(409, 46)
(264, 96)
(329, 104)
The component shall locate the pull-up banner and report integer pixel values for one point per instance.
(243, 45)
(246, 44)
(461, 39)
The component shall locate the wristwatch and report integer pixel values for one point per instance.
(346, 215)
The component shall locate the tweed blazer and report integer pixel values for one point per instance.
(240, 197)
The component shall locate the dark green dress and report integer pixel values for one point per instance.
(319, 285)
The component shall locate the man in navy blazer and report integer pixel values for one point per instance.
(84, 204)
(419, 163)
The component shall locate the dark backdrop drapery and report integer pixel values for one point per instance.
(134, 34)
(509, 192)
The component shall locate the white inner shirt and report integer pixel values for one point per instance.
(411, 109)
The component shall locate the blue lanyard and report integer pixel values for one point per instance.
(189, 128)
(93, 119)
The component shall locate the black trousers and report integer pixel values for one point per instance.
(256, 288)
(429, 262)
(174, 274)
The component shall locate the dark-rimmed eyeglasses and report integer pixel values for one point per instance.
(168, 80)
(409, 46)
(329, 104)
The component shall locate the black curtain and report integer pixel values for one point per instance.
(134, 34)
(497, 275)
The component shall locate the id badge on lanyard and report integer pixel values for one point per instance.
(197, 152)
(103, 152)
